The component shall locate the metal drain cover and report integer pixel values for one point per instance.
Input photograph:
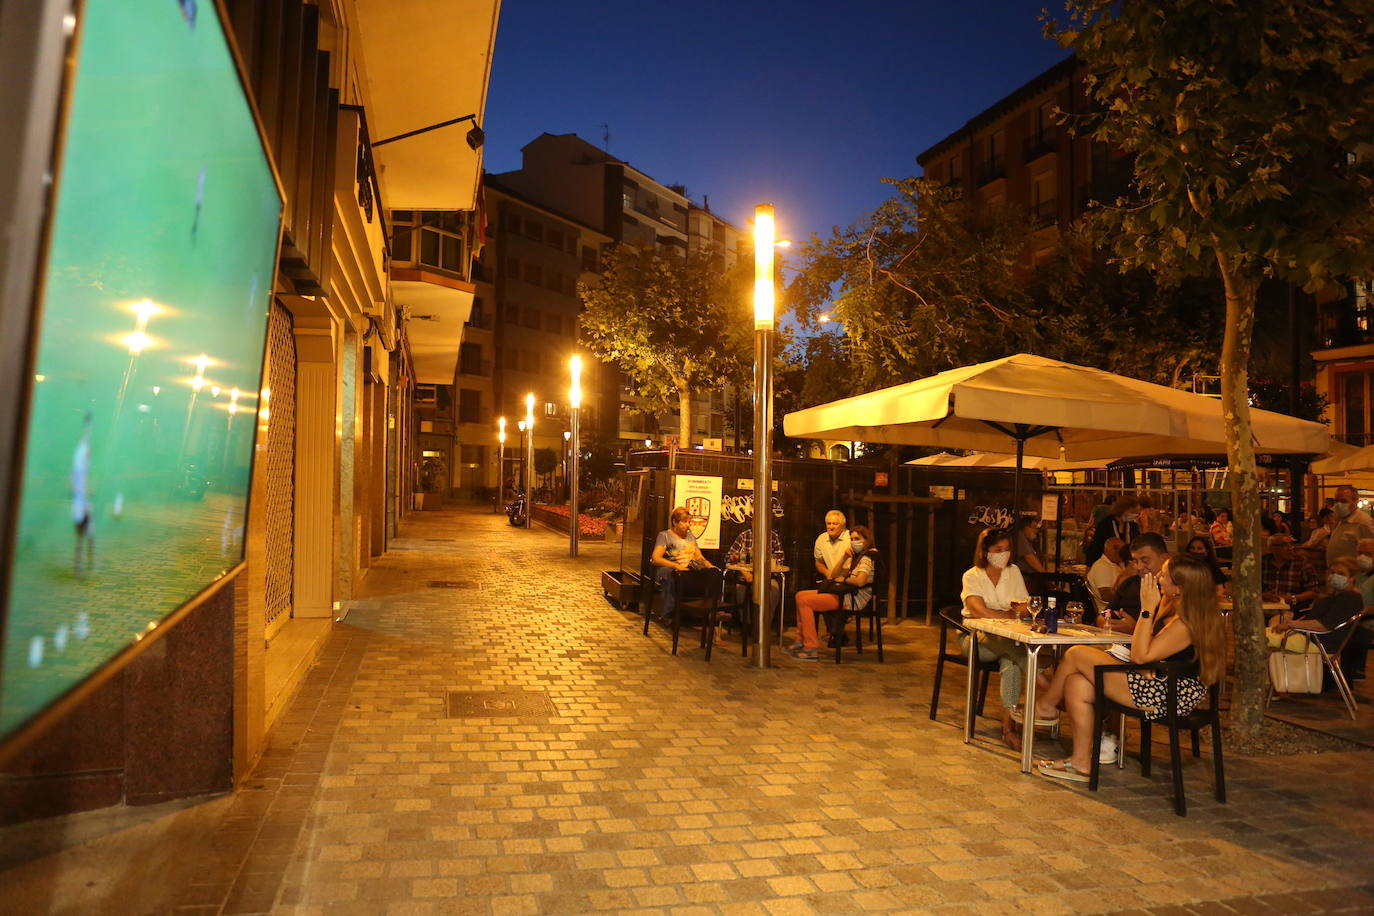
(452, 583)
(505, 704)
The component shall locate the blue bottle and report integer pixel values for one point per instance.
(1051, 616)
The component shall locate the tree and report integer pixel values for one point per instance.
(672, 325)
(1245, 121)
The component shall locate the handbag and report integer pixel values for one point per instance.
(831, 587)
(1296, 672)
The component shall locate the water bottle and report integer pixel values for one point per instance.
(1051, 616)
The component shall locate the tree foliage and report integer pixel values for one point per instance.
(1246, 121)
(673, 326)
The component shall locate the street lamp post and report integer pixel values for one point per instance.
(575, 409)
(500, 463)
(529, 461)
(764, 237)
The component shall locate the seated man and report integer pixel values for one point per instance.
(1105, 571)
(832, 546)
(1148, 554)
(676, 550)
(1285, 575)
(741, 553)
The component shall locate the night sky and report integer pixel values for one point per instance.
(808, 105)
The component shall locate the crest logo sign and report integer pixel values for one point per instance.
(699, 508)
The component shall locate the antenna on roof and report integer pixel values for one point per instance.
(606, 137)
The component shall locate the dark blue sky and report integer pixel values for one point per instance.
(807, 105)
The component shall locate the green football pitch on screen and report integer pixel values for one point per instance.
(145, 394)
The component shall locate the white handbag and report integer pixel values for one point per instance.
(1296, 672)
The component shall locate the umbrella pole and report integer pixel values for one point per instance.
(1016, 484)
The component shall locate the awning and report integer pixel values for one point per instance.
(436, 307)
(427, 61)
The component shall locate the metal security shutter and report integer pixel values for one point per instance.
(279, 460)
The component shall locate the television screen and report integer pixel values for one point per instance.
(147, 350)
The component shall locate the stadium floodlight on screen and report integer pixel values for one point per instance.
(146, 350)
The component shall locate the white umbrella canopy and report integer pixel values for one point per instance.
(1345, 459)
(986, 460)
(1051, 408)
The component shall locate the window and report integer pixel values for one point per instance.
(470, 359)
(956, 168)
(400, 243)
(533, 230)
(534, 274)
(553, 323)
(513, 267)
(424, 395)
(554, 239)
(570, 244)
(532, 318)
(513, 224)
(1352, 396)
(511, 312)
(469, 405)
(590, 262)
(473, 455)
(550, 409)
(556, 281)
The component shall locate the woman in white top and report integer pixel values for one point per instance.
(990, 587)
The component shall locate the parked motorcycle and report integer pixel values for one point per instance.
(516, 510)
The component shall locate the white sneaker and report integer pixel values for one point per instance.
(1107, 753)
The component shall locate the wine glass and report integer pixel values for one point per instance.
(1074, 611)
(1034, 603)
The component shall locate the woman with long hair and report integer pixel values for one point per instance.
(854, 589)
(990, 586)
(1201, 548)
(1187, 627)
(1024, 534)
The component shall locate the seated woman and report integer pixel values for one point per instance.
(1337, 602)
(1188, 627)
(990, 586)
(855, 578)
(676, 550)
(1201, 548)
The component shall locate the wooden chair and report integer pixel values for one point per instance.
(1199, 718)
(952, 620)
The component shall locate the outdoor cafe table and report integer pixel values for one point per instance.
(780, 571)
(1070, 634)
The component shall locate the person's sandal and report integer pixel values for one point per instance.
(1060, 769)
(804, 654)
(1019, 717)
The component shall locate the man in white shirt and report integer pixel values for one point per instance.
(1104, 573)
(832, 546)
(1352, 524)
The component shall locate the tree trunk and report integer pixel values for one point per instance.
(684, 407)
(1247, 618)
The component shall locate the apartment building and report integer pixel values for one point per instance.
(570, 176)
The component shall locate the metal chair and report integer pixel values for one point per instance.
(1199, 718)
(952, 619)
(1331, 659)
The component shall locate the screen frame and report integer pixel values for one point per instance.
(50, 103)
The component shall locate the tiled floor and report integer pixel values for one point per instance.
(666, 785)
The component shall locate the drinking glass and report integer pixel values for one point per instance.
(1074, 611)
(1034, 605)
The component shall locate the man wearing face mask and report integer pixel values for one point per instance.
(1122, 523)
(1352, 524)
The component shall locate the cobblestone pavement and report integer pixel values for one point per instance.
(620, 778)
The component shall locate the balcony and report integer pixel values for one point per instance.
(481, 322)
(1040, 144)
(991, 170)
(476, 367)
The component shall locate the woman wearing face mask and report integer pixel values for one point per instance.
(1338, 602)
(990, 587)
(1201, 548)
(1122, 524)
(857, 572)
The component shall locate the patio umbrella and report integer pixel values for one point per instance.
(1038, 406)
(1345, 459)
(988, 460)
